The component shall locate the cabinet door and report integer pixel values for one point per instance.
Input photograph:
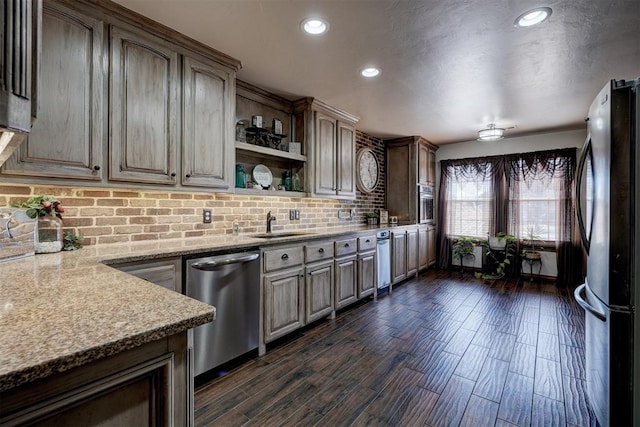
(367, 280)
(431, 237)
(143, 114)
(423, 165)
(166, 273)
(423, 248)
(20, 20)
(401, 189)
(412, 252)
(346, 161)
(325, 155)
(398, 256)
(207, 141)
(66, 140)
(346, 281)
(431, 168)
(319, 291)
(283, 303)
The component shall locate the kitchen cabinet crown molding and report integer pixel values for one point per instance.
(108, 10)
(315, 104)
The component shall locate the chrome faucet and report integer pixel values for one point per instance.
(269, 220)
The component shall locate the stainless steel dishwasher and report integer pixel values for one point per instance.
(231, 283)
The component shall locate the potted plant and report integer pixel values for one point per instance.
(48, 212)
(372, 218)
(463, 249)
(501, 249)
(531, 237)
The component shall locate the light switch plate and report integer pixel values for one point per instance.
(297, 213)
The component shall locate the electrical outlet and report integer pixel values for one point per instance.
(206, 216)
(297, 211)
(292, 214)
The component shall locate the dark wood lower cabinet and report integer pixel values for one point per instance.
(145, 386)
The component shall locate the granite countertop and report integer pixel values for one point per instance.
(59, 311)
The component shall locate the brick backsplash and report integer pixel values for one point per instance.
(109, 215)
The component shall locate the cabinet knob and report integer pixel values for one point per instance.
(284, 257)
(321, 250)
(367, 241)
(346, 245)
(173, 174)
(188, 175)
(96, 168)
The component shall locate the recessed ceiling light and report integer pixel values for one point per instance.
(532, 17)
(314, 26)
(370, 72)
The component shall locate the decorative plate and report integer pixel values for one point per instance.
(262, 175)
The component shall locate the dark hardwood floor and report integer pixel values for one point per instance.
(442, 350)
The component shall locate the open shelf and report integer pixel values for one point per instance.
(270, 152)
(257, 192)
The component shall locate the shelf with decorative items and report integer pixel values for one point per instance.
(272, 151)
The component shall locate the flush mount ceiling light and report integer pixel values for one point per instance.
(532, 17)
(314, 26)
(370, 72)
(492, 133)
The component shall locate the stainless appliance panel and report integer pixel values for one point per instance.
(384, 259)
(231, 283)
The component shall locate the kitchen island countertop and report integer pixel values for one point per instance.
(63, 310)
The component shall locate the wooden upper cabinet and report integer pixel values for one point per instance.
(143, 114)
(330, 137)
(325, 155)
(410, 162)
(66, 141)
(346, 163)
(207, 143)
(423, 165)
(20, 20)
(20, 48)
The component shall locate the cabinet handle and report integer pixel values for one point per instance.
(346, 245)
(96, 168)
(321, 250)
(367, 241)
(284, 257)
(188, 175)
(173, 174)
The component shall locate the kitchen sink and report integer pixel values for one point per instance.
(281, 234)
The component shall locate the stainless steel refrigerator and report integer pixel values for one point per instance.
(608, 189)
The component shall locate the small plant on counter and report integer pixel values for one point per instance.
(72, 241)
(372, 218)
(39, 206)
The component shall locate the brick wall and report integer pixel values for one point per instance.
(108, 215)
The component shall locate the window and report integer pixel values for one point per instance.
(537, 207)
(469, 206)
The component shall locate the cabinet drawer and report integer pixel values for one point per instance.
(366, 243)
(318, 252)
(275, 259)
(346, 247)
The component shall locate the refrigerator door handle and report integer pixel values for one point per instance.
(578, 183)
(584, 304)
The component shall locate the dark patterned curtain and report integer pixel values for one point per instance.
(489, 169)
(513, 177)
(545, 171)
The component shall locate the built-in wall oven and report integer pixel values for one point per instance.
(425, 204)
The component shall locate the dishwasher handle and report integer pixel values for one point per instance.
(214, 265)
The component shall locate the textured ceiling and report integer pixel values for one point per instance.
(449, 67)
